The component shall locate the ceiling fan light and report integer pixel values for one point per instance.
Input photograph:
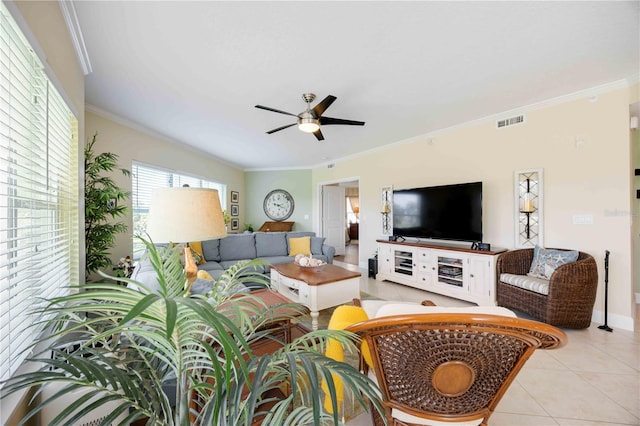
(308, 125)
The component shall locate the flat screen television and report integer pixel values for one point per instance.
(448, 212)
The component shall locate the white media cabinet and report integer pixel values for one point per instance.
(457, 272)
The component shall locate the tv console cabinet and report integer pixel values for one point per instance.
(457, 272)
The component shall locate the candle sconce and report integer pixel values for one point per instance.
(387, 197)
(528, 222)
(528, 208)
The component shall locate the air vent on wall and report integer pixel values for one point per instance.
(518, 119)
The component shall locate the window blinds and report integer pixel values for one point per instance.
(144, 179)
(38, 194)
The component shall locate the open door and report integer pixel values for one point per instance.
(334, 217)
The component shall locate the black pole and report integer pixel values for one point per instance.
(605, 326)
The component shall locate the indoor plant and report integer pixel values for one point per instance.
(121, 344)
(102, 206)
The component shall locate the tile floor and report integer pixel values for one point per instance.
(593, 380)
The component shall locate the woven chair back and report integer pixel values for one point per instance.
(450, 367)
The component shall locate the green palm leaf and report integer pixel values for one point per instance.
(120, 346)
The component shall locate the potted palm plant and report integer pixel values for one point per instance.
(103, 206)
(124, 345)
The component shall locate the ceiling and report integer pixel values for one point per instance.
(193, 71)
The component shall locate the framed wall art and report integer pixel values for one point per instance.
(235, 224)
(235, 211)
(235, 197)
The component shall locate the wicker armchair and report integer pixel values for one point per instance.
(449, 367)
(572, 290)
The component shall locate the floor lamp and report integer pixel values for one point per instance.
(182, 215)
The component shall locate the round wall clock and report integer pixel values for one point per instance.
(278, 205)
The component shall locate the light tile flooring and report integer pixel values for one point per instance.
(593, 380)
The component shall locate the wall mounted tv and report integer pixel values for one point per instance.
(449, 212)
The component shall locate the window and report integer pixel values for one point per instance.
(39, 223)
(144, 179)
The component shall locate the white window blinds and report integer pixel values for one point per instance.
(144, 179)
(38, 194)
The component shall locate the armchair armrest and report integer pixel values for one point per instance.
(517, 262)
(329, 251)
(575, 281)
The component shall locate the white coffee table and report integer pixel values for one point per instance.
(316, 288)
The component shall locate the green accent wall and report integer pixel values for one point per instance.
(259, 183)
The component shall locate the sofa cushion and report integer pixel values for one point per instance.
(211, 250)
(196, 252)
(237, 247)
(271, 244)
(545, 261)
(301, 245)
(316, 245)
(297, 234)
(226, 264)
(211, 266)
(537, 285)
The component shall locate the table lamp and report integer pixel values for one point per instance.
(181, 215)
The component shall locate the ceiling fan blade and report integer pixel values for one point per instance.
(323, 105)
(275, 110)
(330, 120)
(281, 128)
(318, 135)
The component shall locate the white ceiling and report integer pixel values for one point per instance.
(193, 71)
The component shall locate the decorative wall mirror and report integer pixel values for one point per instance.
(528, 208)
(385, 210)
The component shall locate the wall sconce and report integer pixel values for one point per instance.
(387, 194)
(528, 203)
(528, 208)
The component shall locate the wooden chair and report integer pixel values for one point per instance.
(451, 367)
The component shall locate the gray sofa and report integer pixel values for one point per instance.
(221, 254)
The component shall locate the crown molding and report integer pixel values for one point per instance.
(154, 134)
(71, 19)
(429, 137)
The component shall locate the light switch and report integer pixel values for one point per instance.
(583, 219)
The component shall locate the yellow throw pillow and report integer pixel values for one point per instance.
(197, 253)
(204, 275)
(300, 245)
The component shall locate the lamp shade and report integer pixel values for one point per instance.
(181, 215)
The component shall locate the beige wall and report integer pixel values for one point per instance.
(135, 145)
(296, 182)
(583, 148)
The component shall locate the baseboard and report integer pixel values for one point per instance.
(613, 320)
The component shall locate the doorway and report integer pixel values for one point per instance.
(339, 216)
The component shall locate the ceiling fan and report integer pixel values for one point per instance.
(311, 119)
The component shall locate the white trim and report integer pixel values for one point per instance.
(35, 45)
(73, 25)
(614, 320)
(317, 226)
(142, 129)
(428, 137)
